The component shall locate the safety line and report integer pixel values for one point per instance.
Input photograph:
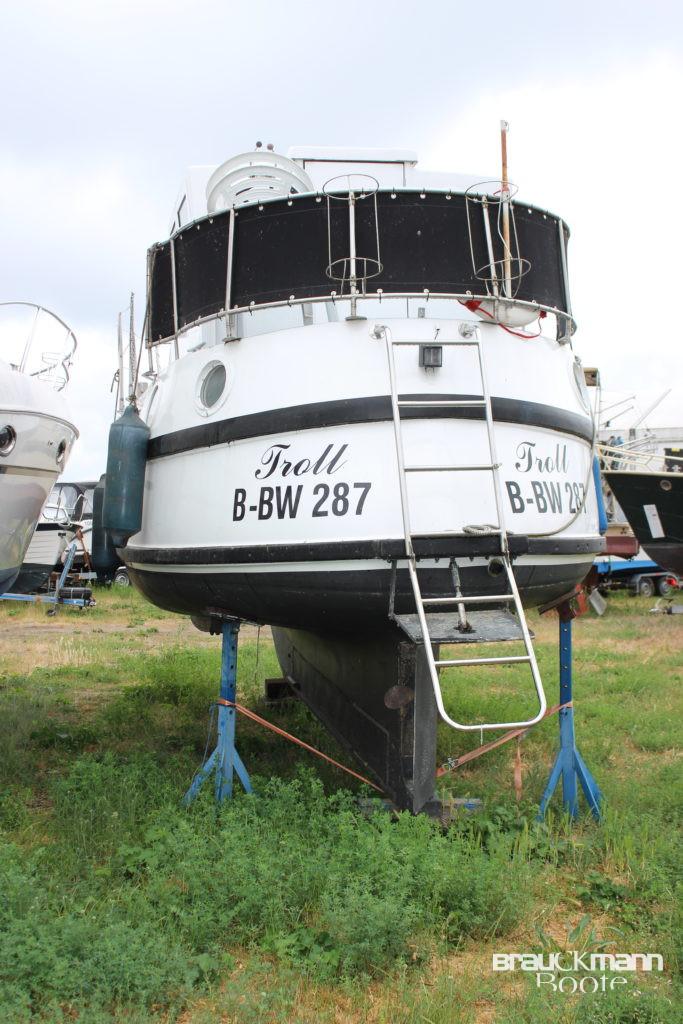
(287, 735)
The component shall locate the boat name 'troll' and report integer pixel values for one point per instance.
(529, 460)
(273, 460)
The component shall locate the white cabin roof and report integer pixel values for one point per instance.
(352, 155)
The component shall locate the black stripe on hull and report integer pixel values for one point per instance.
(635, 490)
(362, 410)
(425, 547)
(338, 600)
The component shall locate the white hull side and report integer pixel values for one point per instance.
(190, 495)
(214, 497)
(286, 496)
(41, 422)
(47, 546)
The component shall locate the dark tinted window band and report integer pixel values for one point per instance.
(361, 410)
(281, 250)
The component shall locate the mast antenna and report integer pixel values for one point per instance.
(120, 380)
(131, 349)
(505, 200)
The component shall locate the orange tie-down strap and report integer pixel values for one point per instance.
(456, 762)
(288, 736)
(450, 765)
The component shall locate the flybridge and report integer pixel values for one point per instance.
(329, 225)
(391, 168)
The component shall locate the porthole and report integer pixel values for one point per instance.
(8, 439)
(61, 453)
(213, 386)
(665, 485)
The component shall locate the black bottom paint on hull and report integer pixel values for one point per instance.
(338, 600)
(376, 698)
(667, 554)
(32, 577)
(7, 578)
(634, 491)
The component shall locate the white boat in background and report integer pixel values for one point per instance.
(642, 467)
(44, 556)
(71, 503)
(37, 432)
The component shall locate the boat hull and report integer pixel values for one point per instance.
(376, 698)
(653, 505)
(42, 557)
(7, 577)
(283, 505)
(43, 438)
(342, 595)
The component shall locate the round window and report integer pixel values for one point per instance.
(665, 485)
(8, 439)
(213, 387)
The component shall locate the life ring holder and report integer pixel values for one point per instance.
(350, 268)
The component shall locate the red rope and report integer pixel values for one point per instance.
(288, 736)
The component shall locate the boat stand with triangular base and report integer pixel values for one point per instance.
(224, 762)
(569, 765)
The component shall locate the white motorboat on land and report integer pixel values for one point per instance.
(37, 432)
(371, 404)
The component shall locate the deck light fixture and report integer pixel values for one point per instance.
(431, 356)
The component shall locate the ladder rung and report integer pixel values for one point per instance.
(446, 469)
(460, 403)
(483, 661)
(484, 599)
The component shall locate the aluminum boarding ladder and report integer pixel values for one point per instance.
(460, 600)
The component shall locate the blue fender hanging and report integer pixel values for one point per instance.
(104, 557)
(124, 489)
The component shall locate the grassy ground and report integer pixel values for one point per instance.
(116, 904)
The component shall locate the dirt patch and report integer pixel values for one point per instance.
(39, 641)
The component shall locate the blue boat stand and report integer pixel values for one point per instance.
(569, 764)
(224, 760)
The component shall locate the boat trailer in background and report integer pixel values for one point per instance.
(391, 729)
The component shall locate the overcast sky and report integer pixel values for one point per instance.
(105, 105)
